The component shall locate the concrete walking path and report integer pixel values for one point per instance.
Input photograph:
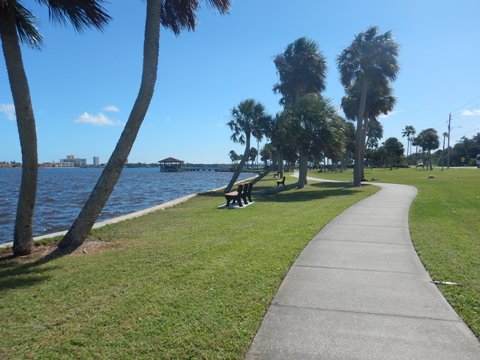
(359, 291)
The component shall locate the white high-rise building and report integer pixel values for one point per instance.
(96, 161)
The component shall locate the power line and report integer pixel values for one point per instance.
(469, 101)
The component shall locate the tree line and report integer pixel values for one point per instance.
(420, 150)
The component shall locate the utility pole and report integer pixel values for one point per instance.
(443, 149)
(448, 144)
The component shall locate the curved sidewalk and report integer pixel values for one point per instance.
(359, 291)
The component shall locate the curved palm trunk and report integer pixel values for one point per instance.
(79, 230)
(267, 170)
(239, 169)
(22, 235)
(359, 137)
(302, 169)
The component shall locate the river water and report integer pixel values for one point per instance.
(61, 194)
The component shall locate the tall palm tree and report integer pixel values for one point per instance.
(409, 132)
(174, 15)
(245, 118)
(302, 70)
(380, 101)
(19, 25)
(371, 58)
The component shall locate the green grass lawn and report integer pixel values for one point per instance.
(445, 228)
(192, 281)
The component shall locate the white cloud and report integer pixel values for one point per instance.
(98, 119)
(391, 113)
(111, 108)
(474, 112)
(8, 111)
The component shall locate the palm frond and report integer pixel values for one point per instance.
(80, 13)
(180, 14)
(27, 29)
(301, 69)
(25, 22)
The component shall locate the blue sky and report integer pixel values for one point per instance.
(83, 85)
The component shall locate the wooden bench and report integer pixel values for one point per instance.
(276, 175)
(235, 196)
(282, 182)
(247, 193)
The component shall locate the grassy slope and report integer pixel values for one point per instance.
(445, 228)
(189, 282)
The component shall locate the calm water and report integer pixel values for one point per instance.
(62, 192)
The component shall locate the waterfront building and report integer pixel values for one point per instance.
(96, 161)
(72, 161)
(170, 164)
(8, 164)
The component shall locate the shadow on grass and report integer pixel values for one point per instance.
(321, 190)
(325, 190)
(16, 275)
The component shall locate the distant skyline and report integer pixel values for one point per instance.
(83, 85)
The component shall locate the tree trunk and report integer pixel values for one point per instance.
(359, 137)
(302, 169)
(280, 164)
(237, 172)
(23, 232)
(79, 230)
(363, 146)
(267, 170)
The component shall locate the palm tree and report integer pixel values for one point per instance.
(234, 157)
(19, 25)
(394, 149)
(258, 135)
(246, 117)
(302, 70)
(380, 101)
(253, 155)
(310, 127)
(370, 59)
(409, 132)
(428, 140)
(174, 15)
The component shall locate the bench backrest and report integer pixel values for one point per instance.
(247, 188)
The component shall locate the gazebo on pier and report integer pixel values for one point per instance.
(170, 164)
